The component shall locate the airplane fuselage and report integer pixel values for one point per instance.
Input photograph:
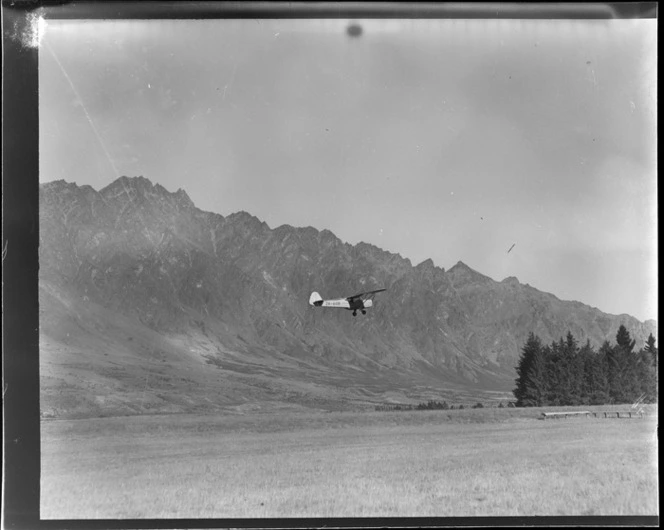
(343, 303)
(358, 302)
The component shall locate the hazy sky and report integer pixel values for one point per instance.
(449, 140)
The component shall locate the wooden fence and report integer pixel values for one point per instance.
(601, 414)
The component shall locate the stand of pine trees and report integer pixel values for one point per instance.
(565, 374)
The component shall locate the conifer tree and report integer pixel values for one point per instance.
(648, 369)
(536, 384)
(574, 363)
(614, 361)
(645, 373)
(586, 358)
(529, 384)
(607, 356)
(600, 380)
(556, 373)
(623, 377)
(624, 340)
(652, 349)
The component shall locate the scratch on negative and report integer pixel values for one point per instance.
(223, 97)
(85, 110)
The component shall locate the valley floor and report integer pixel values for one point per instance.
(496, 462)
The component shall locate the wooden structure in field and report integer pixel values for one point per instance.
(601, 414)
(619, 414)
(567, 414)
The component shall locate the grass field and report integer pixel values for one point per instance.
(484, 462)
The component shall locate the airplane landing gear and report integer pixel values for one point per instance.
(364, 312)
(354, 313)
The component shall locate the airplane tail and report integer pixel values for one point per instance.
(315, 299)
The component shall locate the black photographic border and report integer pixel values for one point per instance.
(20, 360)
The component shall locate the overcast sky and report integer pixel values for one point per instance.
(450, 140)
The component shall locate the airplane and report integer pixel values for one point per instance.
(359, 301)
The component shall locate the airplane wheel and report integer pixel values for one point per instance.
(354, 313)
(364, 312)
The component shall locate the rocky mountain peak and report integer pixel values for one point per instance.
(367, 249)
(140, 190)
(55, 184)
(59, 186)
(329, 239)
(462, 274)
(118, 188)
(131, 186)
(245, 218)
(461, 266)
(183, 199)
(426, 264)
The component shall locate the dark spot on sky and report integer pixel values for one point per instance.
(587, 62)
(354, 30)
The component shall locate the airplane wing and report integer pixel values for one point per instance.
(367, 294)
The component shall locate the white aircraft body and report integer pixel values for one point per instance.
(360, 301)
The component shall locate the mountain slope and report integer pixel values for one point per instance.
(137, 273)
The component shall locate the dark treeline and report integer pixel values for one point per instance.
(438, 405)
(565, 374)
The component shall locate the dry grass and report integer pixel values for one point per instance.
(422, 463)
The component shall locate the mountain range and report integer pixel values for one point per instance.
(149, 304)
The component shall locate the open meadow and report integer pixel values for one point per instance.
(483, 462)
